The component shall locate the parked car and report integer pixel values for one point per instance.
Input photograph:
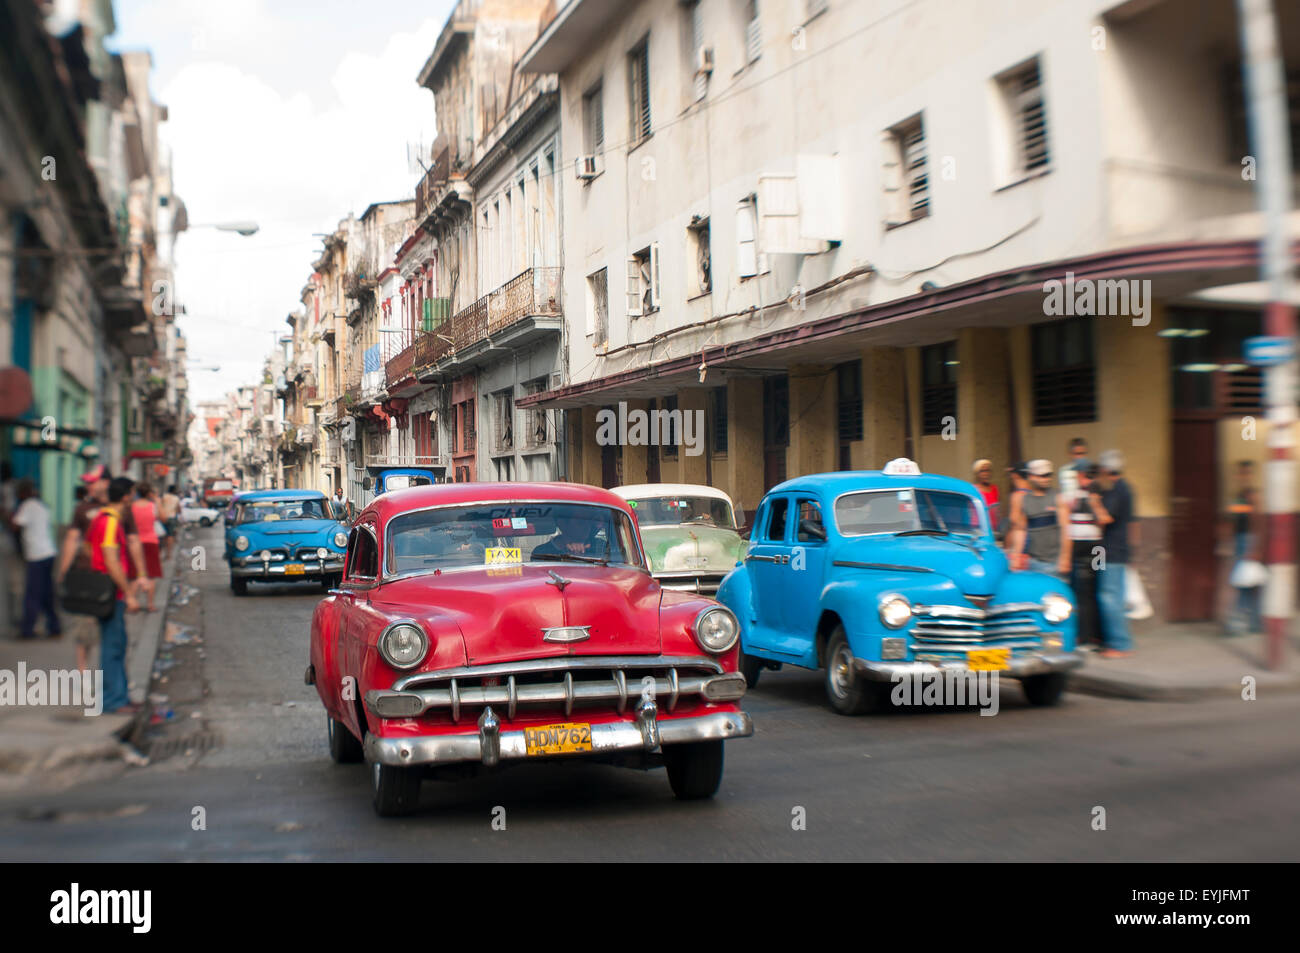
(689, 533)
(479, 623)
(191, 512)
(284, 536)
(875, 575)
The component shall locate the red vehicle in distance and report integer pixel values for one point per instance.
(480, 623)
(217, 493)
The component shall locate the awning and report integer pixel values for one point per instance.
(36, 435)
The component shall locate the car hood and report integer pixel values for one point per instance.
(976, 567)
(502, 612)
(692, 547)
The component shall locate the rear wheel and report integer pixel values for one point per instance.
(239, 586)
(344, 746)
(847, 691)
(205, 521)
(1044, 690)
(694, 769)
(396, 790)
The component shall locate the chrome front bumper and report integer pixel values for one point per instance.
(1039, 663)
(313, 569)
(489, 745)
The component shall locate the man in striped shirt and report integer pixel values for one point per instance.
(107, 543)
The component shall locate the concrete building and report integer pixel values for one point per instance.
(830, 228)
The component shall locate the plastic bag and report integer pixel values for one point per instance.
(1136, 603)
(1248, 574)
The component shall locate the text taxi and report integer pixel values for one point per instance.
(876, 575)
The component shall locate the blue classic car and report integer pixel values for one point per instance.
(284, 536)
(881, 574)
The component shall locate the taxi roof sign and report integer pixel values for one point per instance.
(901, 466)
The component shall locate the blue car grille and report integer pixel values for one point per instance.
(961, 627)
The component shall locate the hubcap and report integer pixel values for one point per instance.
(841, 669)
(374, 774)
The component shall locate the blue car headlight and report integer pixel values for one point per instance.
(341, 540)
(241, 543)
(1056, 608)
(895, 610)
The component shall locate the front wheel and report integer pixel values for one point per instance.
(205, 521)
(847, 691)
(396, 791)
(751, 668)
(239, 585)
(694, 769)
(1044, 690)
(344, 746)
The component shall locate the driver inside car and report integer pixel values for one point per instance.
(577, 537)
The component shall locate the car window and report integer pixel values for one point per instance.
(904, 510)
(810, 513)
(363, 555)
(677, 510)
(774, 532)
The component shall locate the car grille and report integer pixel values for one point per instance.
(307, 554)
(255, 555)
(566, 683)
(967, 626)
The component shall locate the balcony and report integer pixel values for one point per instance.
(426, 192)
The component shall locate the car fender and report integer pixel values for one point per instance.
(324, 656)
(735, 592)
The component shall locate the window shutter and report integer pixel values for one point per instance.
(746, 252)
(654, 274)
(891, 179)
(633, 288)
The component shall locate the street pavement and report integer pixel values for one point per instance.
(244, 751)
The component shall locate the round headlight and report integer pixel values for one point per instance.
(403, 645)
(265, 555)
(716, 629)
(1056, 608)
(341, 540)
(895, 611)
(322, 553)
(241, 543)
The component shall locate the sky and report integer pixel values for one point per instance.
(287, 113)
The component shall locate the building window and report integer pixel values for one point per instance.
(697, 234)
(643, 281)
(718, 407)
(593, 120)
(1065, 372)
(598, 307)
(503, 424)
(813, 7)
(907, 183)
(753, 32)
(1022, 94)
(505, 467)
(747, 237)
(776, 412)
(1205, 351)
(537, 433)
(670, 428)
(699, 67)
(1239, 143)
(938, 387)
(638, 71)
(848, 419)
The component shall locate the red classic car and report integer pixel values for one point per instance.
(482, 622)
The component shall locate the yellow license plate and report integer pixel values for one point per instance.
(566, 738)
(294, 569)
(989, 660)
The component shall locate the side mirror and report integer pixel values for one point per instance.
(367, 483)
(813, 529)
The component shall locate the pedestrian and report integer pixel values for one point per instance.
(33, 519)
(10, 559)
(1246, 522)
(107, 542)
(1087, 518)
(1069, 473)
(342, 505)
(145, 513)
(97, 482)
(983, 470)
(1116, 501)
(169, 508)
(1039, 536)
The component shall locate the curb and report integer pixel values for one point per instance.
(140, 664)
(1117, 686)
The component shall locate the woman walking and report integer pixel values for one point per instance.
(145, 511)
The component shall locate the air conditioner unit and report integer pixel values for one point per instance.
(584, 167)
(704, 61)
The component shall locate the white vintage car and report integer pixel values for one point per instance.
(689, 531)
(193, 513)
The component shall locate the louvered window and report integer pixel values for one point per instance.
(848, 379)
(753, 32)
(1024, 91)
(938, 387)
(915, 178)
(598, 294)
(593, 120)
(639, 93)
(719, 406)
(1065, 372)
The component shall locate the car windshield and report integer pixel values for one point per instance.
(401, 481)
(675, 510)
(498, 536)
(264, 511)
(221, 486)
(909, 510)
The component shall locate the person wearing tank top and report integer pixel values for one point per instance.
(1038, 540)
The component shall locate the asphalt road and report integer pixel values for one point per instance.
(1192, 782)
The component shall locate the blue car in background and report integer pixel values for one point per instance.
(284, 536)
(882, 574)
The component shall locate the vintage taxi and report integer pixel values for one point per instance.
(479, 624)
(284, 536)
(878, 575)
(689, 533)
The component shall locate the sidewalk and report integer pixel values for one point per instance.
(38, 740)
(1187, 662)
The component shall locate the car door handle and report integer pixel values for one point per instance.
(764, 559)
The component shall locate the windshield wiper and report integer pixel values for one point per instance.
(924, 532)
(559, 557)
